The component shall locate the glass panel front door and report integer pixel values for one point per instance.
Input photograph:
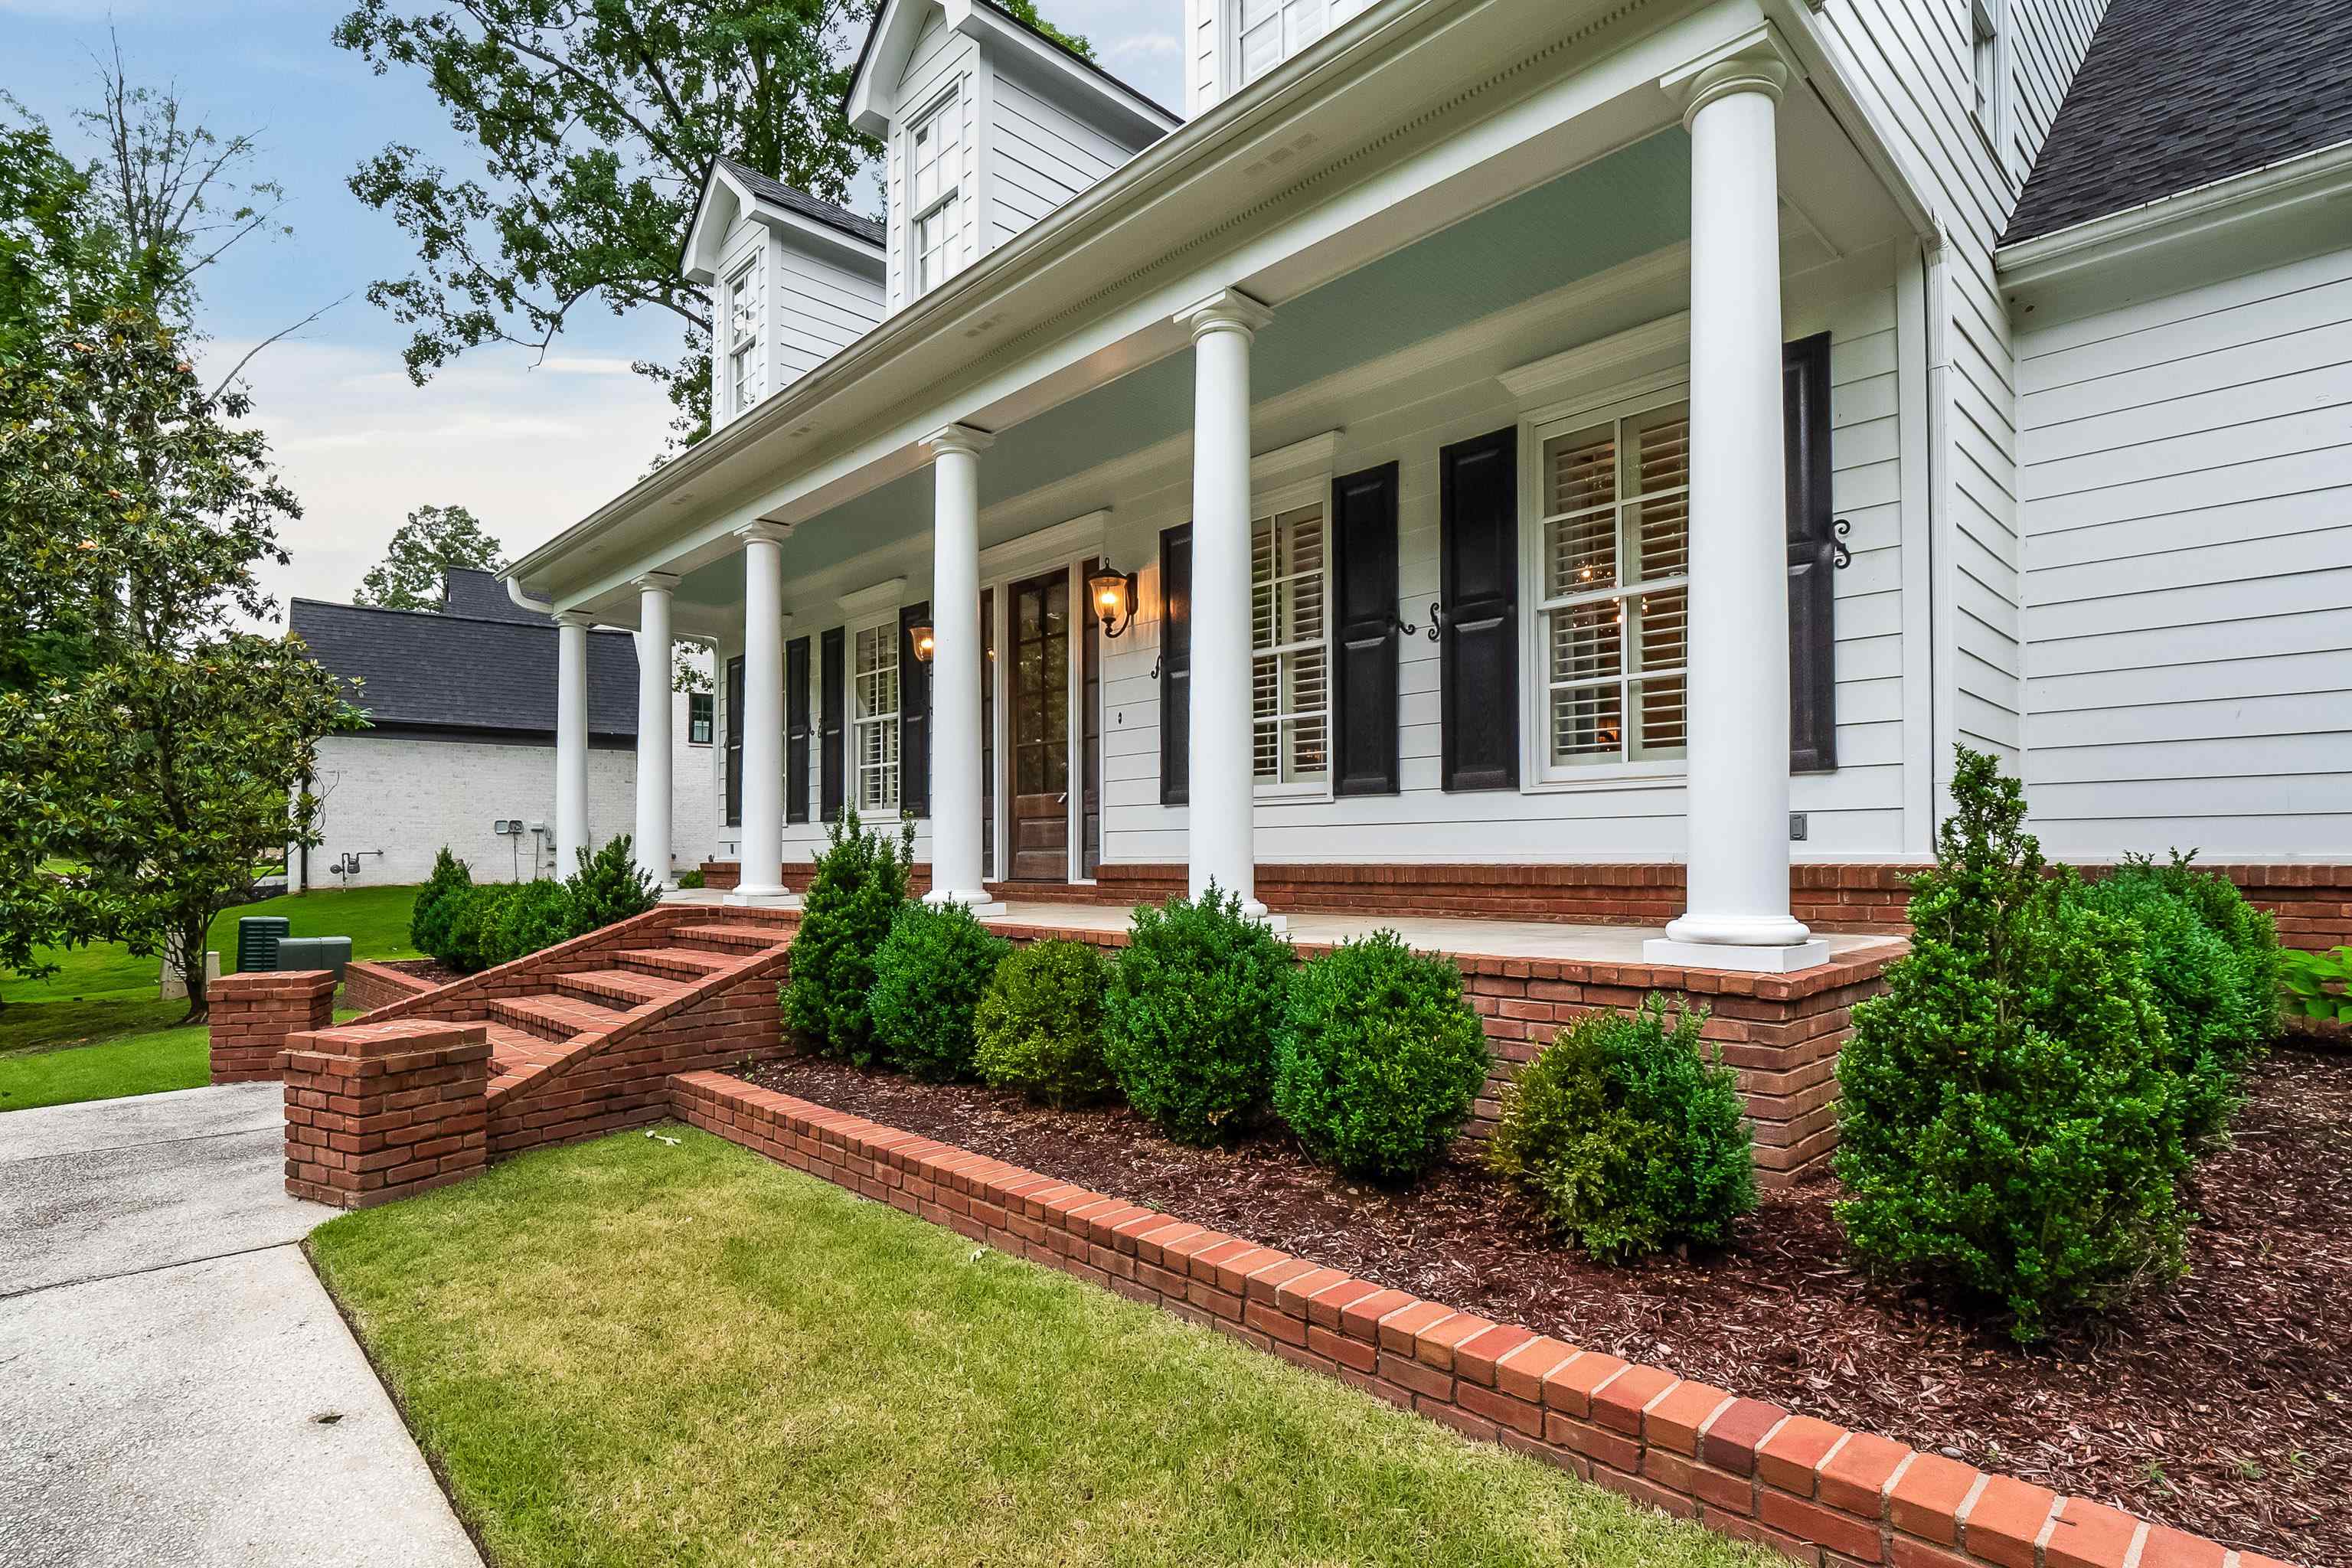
(1040, 751)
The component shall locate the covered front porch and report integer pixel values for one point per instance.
(1450, 524)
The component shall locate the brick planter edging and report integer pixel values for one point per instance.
(368, 986)
(1818, 1492)
(251, 1013)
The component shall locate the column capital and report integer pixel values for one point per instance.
(653, 582)
(580, 618)
(1755, 61)
(1226, 311)
(762, 532)
(962, 438)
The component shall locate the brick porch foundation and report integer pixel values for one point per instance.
(252, 1014)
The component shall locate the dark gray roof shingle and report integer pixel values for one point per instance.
(807, 205)
(2175, 94)
(423, 670)
(480, 596)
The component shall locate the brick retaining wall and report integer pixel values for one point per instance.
(251, 1015)
(379, 1112)
(368, 986)
(1817, 1492)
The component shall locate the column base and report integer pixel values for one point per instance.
(762, 899)
(981, 905)
(1745, 959)
(1252, 910)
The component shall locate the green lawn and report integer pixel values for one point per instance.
(96, 1025)
(635, 1353)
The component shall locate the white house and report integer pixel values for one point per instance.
(459, 749)
(1589, 459)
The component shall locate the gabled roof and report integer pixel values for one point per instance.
(892, 36)
(2176, 94)
(857, 240)
(493, 673)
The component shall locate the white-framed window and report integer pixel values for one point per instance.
(935, 193)
(1271, 31)
(1290, 641)
(1610, 542)
(747, 365)
(873, 720)
(1984, 65)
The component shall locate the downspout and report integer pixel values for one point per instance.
(523, 600)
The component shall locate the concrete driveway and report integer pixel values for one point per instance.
(175, 1386)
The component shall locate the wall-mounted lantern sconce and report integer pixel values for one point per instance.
(1112, 594)
(921, 637)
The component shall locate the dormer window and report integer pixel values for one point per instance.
(747, 378)
(1274, 30)
(935, 166)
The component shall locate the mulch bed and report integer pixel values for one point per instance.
(2221, 1405)
(427, 969)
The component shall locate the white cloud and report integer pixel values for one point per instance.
(585, 364)
(1142, 45)
(528, 454)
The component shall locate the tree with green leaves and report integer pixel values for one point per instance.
(139, 790)
(598, 124)
(417, 561)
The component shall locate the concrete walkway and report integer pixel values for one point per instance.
(175, 1387)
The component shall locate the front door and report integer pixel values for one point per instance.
(1040, 759)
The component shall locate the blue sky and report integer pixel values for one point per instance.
(530, 449)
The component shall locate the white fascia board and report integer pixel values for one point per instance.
(873, 92)
(1097, 89)
(698, 259)
(867, 256)
(2296, 206)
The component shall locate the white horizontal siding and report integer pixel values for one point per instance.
(2188, 500)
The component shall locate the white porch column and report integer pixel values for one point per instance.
(762, 876)
(957, 875)
(1737, 915)
(1222, 847)
(654, 660)
(571, 739)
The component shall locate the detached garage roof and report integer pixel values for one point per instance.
(2175, 94)
(485, 665)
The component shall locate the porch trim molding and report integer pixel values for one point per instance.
(887, 595)
(1043, 547)
(1300, 460)
(1652, 346)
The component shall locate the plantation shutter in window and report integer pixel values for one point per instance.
(796, 730)
(735, 742)
(1176, 665)
(1364, 577)
(1812, 560)
(914, 716)
(833, 653)
(1479, 585)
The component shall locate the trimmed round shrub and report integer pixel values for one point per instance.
(473, 916)
(2214, 967)
(859, 885)
(1380, 1059)
(1627, 1138)
(529, 916)
(1191, 1013)
(429, 918)
(691, 878)
(2009, 1129)
(609, 886)
(929, 975)
(1039, 1028)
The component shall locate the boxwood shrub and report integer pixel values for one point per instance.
(1380, 1059)
(929, 975)
(1194, 1005)
(2212, 962)
(2009, 1129)
(1626, 1137)
(859, 884)
(429, 918)
(609, 886)
(1039, 1028)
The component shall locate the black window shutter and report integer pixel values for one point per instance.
(1812, 560)
(832, 749)
(1176, 665)
(1478, 568)
(914, 716)
(735, 742)
(1364, 676)
(796, 730)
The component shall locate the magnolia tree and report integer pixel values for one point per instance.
(147, 769)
